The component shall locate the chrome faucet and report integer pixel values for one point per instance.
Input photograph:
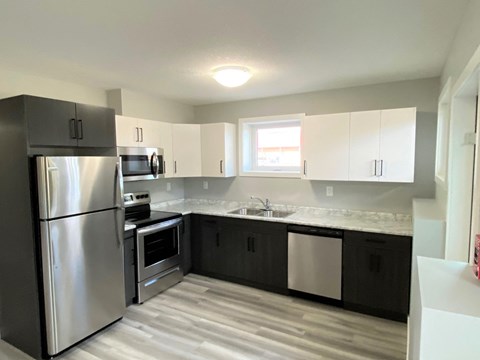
(266, 204)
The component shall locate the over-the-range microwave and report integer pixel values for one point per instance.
(141, 163)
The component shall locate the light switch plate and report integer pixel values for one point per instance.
(169, 186)
(205, 185)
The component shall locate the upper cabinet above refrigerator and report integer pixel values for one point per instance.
(61, 123)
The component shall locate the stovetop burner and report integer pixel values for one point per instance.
(152, 217)
(138, 212)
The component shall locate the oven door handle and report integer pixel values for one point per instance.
(164, 225)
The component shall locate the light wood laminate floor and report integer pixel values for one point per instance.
(204, 318)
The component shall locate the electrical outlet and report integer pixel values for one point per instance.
(329, 190)
(205, 185)
(169, 186)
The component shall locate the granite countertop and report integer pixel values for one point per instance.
(368, 221)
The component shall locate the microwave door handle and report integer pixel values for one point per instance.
(154, 164)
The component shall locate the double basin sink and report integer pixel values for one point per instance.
(261, 212)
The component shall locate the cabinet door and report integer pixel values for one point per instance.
(150, 133)
(126, 131)
(211, 259)
(166, 144)
(359, 275)
(186, 247)
(393, 280)
(364, 145)
(397, 145)
(50, 122)
(267, 256)
(325, 146)
(187, 153)
(96, 126)
(129, 269)
(218, 150)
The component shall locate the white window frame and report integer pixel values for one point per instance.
(247, 148)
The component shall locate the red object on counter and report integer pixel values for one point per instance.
(476, 255)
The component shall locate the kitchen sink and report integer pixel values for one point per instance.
(261, 212)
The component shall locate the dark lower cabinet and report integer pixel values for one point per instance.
(186, 245)
(246, 251)
(376, 274)
(129, 266)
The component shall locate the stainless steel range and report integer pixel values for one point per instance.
(157, 245)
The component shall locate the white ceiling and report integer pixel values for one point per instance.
(169, 47)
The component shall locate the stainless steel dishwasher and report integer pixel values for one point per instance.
(315, 261)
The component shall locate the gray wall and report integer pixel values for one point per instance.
(354, 195)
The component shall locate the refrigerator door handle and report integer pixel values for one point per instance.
(120, 213)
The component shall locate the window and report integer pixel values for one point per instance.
(270, 146)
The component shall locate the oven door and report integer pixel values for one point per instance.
(158, 248)
(141, 163)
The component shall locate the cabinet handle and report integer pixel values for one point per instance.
(381, 167)
(141, 134)
(218, 239)
(80, 129)
(175, 166)
(253, 244)
(375, 165)
(164, 168)
(376, 241)
(248, 243)
(305, 167)
(221, 166)
(73, 129)
(137, 138)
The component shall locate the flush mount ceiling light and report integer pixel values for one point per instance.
(232, 76)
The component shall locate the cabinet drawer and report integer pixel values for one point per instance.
(384, 241)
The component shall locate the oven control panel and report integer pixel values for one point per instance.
(136, 198)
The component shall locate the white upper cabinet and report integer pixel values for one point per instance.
(397, 145)
(134, 132)
(187, 150)
(127, 131)
(218, 150)
(166, 143)
(150, 131)
(364, 145)
(325, 147)
(382, 145)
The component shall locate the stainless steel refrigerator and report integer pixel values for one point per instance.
(80, 205)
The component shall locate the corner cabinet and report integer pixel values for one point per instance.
(61, 123)
(382, 145)
(218, 150)
(187, 150)
(376, 274)
(325, 147)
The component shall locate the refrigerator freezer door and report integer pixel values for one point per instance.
(82, 275)
(70, 185)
